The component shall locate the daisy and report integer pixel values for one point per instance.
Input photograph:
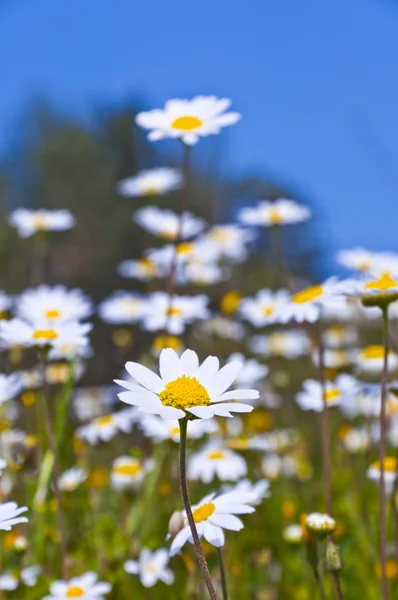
(167, 224)
(8, 582)
(335, 359)
(160, 430)
(104, 428)
(390, 473)
(229, 241)
(90, 402)
(123, 307)
(9, 515)
(173, 314)
(10, 386)
(307, 305)
(337, 391)
(153, 182)
(71, 479)
(129, 472)
(216, 461)
(357, 440)
(260, 310)
(188, 120)
(185, 387)
(17, 332)
(29, 575)
(370, 360)
(338, 336)
(29, 222)
(290, 344)
(151, 567)
(280, 212)
(251, 372)
(53, 304)
(224, 328)
(143, 269)
(260, 489)
(320, 524)
(86, 587)
(293, 534)
(365, 261)
(212, 515)
(202, 273)
(372, 290)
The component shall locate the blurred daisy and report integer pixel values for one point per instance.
(274, 466)
(17, 332)
(307, 304)
(229, 241)
(29, 222)
(365, 261)
(216, 461)
(123, 307)
(290, 344)
(8, 582)
(251, 372)
(202, 273)
(129, 472)
(53, 304)
(260, 310)
(90, 402)
(10, 386)
(188, 120)
(224, 328)
(153, 182)
(372, 291)
(143, 269)
(159, 430)
(280, 212)
(212, 515)
(86, 587)
(260, 489)
(151, 567)
(337, 391)
(9, 515)
(335, 359)
(71, 479)
(390, 473)
(356, 440)
(29, 575)
(167, 224)
(185, 387)
(163, 312)
(338, 336)
(293, 534)
(104, 428)
(321, 524)
(370, 360)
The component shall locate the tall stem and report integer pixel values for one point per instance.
(187, 505)
(222, 574)
(337, 585)
(327, 481)
(382, 453)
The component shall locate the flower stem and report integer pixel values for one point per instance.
(337, 585)
(327, 481)
(223, 574)
(183, 423)
(382, 452)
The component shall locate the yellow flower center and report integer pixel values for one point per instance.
(44, 334)
(308, 295)
(372, 352)
(184, 248)
(274, 216)
(75, 592)
(238, 444)
(385, 283)
(202, 513)
(219, 235)
(173, 312)
(268, 310)
(151, 191)
(147, 266)
(187, 123)
(390, 464)
(332, 394)
(130, 469)
(53, 313)
(40, 221)
(184, 392)
(363, 266)
(216, 455)
(104, 420)
(167, 341)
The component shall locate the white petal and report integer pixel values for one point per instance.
(227, 521)
(238, 395)
(189, 362)
(234, 407)
(203, 412)
(179, 540)
(169, 413)
(145, 377)
(207, 370)
(169, 365)
(224, 378)
(214, 535)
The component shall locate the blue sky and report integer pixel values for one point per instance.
(315, 80)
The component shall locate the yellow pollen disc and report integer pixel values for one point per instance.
(44, 334)
(53, 313)
(184, 248)
(385, 283)
(274, 216)
(175, 431)
(40, 221)
(104, 420)
(184, 392)
(216, 455)
(371, 352)
(147, 265)
(128, 469)
(390, 464)
(149, 569)
(75, 592)
(268, 310)
(187, 123)
(332, 394)
(173, 312)
(308, 295)
(230, 302)
(202, 513)
(151, 191)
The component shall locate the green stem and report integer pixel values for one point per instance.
(382, 453)
(223, 575)
(187, 505)
(327, 469)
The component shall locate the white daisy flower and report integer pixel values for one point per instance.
(160, 430)
(8, 582)
(5, 303)
(71, 479)
(30, 575)
(151, 567)
(167, 224)
(365, 261)
(153, 182)
(143, 269)
(105, 428)
(338, 336)
(188, 120)
(224, 328)
(10, 386)
(293, 534)
(129, 472)
(90, 402)
(274, 466)
(290, 344)
(17, 332)
(261, 309)
(307, 305)
(335, 359)
(372, 290)
(320, 523)
(390, 473)
(370, 360)
(342, 389)
(184, 387)
(216, 461)
(202, 273)
(28, 222)
(251, 372)
(123, 307)
(260, 489)
(280, 212)
(212, 515)
(9, 515)
(86, 587)
(173, 314)
(229, 241)
(53, 304)
(357, 440)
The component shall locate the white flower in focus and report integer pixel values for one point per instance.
(167, 224)
(129, 472)
(320, 523)
(307, 305)
(160, 430)
(216, 461)
(290, 344)
(173, 314)
(343, 388)
(53, 305)
(214, 514)
(184, 387)
(261, 309)
(153, 182)
(151, 567)
(71, 479)
(269, 214)
(188, 120)
(9, 515)
(123, 307)
(29, 222)
(86, 587)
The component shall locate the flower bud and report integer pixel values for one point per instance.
(333, 559)
(176, 523)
